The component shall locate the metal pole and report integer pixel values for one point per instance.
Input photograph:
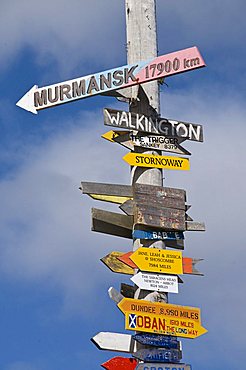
(142, 45)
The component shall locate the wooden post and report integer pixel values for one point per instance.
(142, 45)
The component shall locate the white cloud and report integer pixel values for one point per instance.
(62, 32)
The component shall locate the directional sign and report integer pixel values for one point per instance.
(161, 318)
(112, 223)
(160, 366)
(159, 355)
(157, 161)
(115, 265)
(156, 282)
(112, 135)
(129, 141)
(129, 75)
(158, 235)
(128, 206)
(160, 260)
(114, 342)
(155, 125)
(106, 189)
(120, 363)
(160, 217)
(157, 340)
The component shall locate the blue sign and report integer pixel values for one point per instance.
(158, 235)
(157, 340)
(158, 355)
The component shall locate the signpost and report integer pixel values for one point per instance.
(153, 125)
(129, 75)
(120, 363)
(157, 161)
(159, 260)
(161, 318)
(156, 282)
(159, 355)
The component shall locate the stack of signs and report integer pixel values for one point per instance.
(149, 213)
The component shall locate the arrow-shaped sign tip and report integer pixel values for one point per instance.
(26, 102)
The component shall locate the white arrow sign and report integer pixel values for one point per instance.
(115, 342)
(156, 282)
(114, 79)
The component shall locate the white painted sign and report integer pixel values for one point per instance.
(115, 342)
(156, 282)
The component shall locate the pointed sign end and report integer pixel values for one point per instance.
(108, 136)
(26, 102)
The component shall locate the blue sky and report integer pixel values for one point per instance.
(53, 285)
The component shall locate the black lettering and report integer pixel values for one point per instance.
(118, 76)
(78, 89)
(56, 97)
(65, 90)
(40, 98)
(92, 85)
(129, 74)
(105, 81)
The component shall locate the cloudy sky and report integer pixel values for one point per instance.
(53, 285)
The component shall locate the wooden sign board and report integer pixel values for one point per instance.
(159, 355)
(156, 282)
(161, 318)
(163, 218)
(104, 82)
(154, 125)
(112, 223)
(160, 366)
(157, 161)
(159, 196)
(120, 363)
(129, 141)
(98, 188)
(157, 340)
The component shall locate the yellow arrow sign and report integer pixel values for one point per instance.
(157, 161)
(111, 135)
(158, 260)
(161, 318)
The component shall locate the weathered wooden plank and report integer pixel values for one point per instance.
(195, 226)
(106, 189)
(165, 218)
(159, 192)
(112, 223)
